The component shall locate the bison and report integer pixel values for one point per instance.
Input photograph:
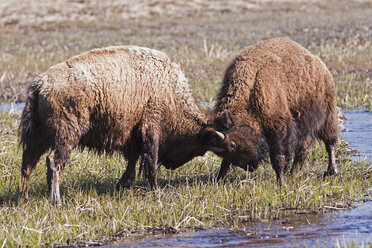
(129, 99)
(276, 98)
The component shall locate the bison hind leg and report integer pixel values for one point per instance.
(30, 157)
(329, 135)
(56, 161)
(150, 156)
(332, 167)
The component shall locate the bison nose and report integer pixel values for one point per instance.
(232, 145)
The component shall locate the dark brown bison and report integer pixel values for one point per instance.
(276, 98)
(128, 99)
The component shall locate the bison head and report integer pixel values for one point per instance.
(179, 151)
(243, 146)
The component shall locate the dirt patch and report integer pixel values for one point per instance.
(32, 13)
(25, 13)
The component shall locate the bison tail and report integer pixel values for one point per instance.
(29, 119)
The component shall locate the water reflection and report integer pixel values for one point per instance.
(359, 134)
(345, 227)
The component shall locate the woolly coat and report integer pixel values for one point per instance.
(278, 97)
(129, 99)
(280, 78)
(103, 95)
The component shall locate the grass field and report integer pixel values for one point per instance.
(203, 36)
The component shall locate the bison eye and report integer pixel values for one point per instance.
(232, 145)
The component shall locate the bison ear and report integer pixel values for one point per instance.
(224, 121)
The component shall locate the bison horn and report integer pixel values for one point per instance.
(221, 135)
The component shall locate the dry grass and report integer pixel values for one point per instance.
(201, 35)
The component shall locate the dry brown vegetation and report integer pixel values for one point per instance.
(201, 35)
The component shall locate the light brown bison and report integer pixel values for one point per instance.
(128, 99)
(276, 98)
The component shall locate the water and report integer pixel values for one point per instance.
(12, 107)
(359, 134)
(327, 230)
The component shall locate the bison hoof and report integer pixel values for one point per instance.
(330, 173)
(293, 172)
(218, 178)
(125, 184)
(281, 181)
(23, 199)
(125, 181)
(153, 186)
(55, 201)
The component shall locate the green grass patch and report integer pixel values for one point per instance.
(92, 212)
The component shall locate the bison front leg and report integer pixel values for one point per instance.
(150, 157)
(128, 176)
(332, 167)
(225, 165)
(301, 152)
(279, 164)
(282, 139)
(30, 158)
(55, 164)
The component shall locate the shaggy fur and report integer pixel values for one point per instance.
(276, 97)
(129, 99)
